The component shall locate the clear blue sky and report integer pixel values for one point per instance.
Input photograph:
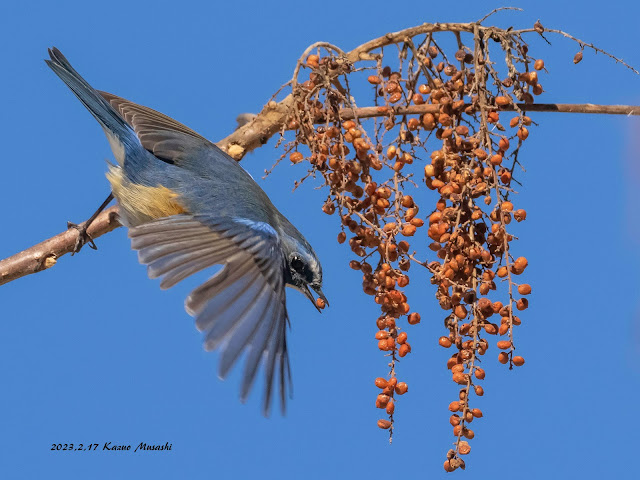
(92, 351)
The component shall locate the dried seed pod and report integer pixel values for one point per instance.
(578, 57)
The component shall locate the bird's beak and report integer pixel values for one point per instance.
(309, 295)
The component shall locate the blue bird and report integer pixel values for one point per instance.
(188, 206)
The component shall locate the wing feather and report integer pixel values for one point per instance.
(242, 307)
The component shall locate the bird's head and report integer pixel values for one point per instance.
(303, 270)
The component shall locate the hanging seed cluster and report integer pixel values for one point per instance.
(450, 124)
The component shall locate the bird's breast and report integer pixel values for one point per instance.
(141, 203)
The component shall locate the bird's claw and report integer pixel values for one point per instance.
(83, 238)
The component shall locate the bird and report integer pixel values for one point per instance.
(188, 206)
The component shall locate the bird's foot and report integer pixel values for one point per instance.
(83, 237)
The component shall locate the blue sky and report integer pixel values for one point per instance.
(92, 351)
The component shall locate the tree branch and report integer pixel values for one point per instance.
(45, 254)
(367, 112)
(275, 116)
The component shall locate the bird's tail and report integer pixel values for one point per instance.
(113, 124)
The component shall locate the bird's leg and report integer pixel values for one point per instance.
(83, 237)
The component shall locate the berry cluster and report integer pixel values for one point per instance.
(450, 114)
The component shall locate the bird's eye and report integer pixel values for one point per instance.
(297, 264)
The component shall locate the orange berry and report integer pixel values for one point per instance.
(524, 289)
(504, 344)
(523, 133)
(460, 378)
(522, 304)
(463, 448)
(479, 373)
(479, 390)
(520, 215)
(502, 101)
(381, 382)
(414, 318)
(490, 328)
(342, 237)
(518, 361)
(320, 303)
(374, 79)
(402, 338)
(404, 349)
(382, 335)
(496, 159)
(455, 406)
(391, 407)
(408, 230)
(539, 64)
(384, 424)
(460, 312)
(296, 157)
(502, 272)
(382, 400)
(448, 467)
(521, 263)
(503, 357)
(401, 388)
(444, 342)
(452, 362)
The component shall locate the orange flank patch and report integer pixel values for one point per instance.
(142, 203)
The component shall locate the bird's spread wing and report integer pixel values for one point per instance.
(151, 127)
(243, 304)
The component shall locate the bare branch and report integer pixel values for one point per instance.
(45, 254)
(367, 112)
